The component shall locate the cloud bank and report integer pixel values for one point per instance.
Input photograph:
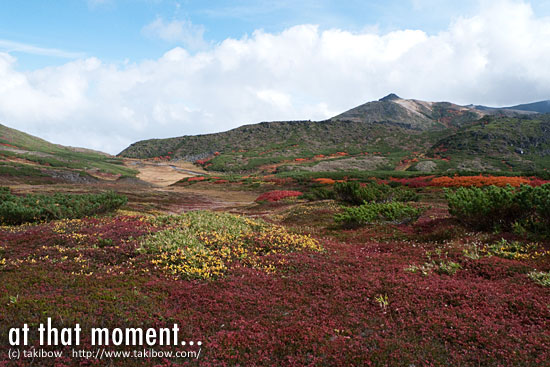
(497, 57)
(182, 31)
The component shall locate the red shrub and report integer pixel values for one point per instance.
(198, 178)
(414, 182)
(479, 181)
(277, 195)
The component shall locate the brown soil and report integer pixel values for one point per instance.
(165, 173)
(160, 197)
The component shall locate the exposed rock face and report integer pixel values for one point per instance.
(348, 164)
(426, 166)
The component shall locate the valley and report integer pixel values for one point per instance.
(421, 240)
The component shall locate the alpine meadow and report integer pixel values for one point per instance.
(275, 183)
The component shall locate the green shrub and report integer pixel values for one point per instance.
(502, 208)
(318, 193)
(375, 212)
(404, 195)
(16, 210)
(354, 193)
(484, 208)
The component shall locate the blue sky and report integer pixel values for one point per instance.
(105, 73)
(113, 30)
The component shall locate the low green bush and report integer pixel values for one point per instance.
(16, 210)
(502, 208)
(376, 212)
(403, 195)
(318, 193)
(354, 193)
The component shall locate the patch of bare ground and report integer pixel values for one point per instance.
(210, 198)
(148, 199)
(163, 173)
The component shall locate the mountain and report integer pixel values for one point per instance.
(389, 134)
(24, 155)
(520, 109)
(540, 107)
(411, 113)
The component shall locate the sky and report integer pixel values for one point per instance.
(103, 74)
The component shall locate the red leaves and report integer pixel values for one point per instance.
(198, 178)
(467, 181)
(202, 162)
(479, 181)
(277, 195)
(320, 310)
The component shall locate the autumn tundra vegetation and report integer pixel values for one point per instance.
(341, 270)
(369, 239)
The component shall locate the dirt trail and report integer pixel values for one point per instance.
(163, 173)
(209, 199)
(175, 199)
(160, 196)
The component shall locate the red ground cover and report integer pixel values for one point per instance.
(467, 181)
(317, 309)
(277, 195)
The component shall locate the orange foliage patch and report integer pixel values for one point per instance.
(479, 181)
(326, 181)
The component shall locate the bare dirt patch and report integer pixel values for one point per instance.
(209, 198)
(163, 173)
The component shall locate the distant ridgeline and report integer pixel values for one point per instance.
(389, 134)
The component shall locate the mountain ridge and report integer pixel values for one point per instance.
(392, 132)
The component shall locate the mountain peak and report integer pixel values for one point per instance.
(390, 97)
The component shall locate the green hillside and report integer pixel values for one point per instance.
(376, 135)
(389, 134)
(501, 142)
(22, 154)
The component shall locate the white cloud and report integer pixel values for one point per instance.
(11, 46)
(176, 31)
(499, 56)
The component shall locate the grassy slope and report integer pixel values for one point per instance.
(19, 145)
(494, 143)
(382, 126)
(506, 142)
